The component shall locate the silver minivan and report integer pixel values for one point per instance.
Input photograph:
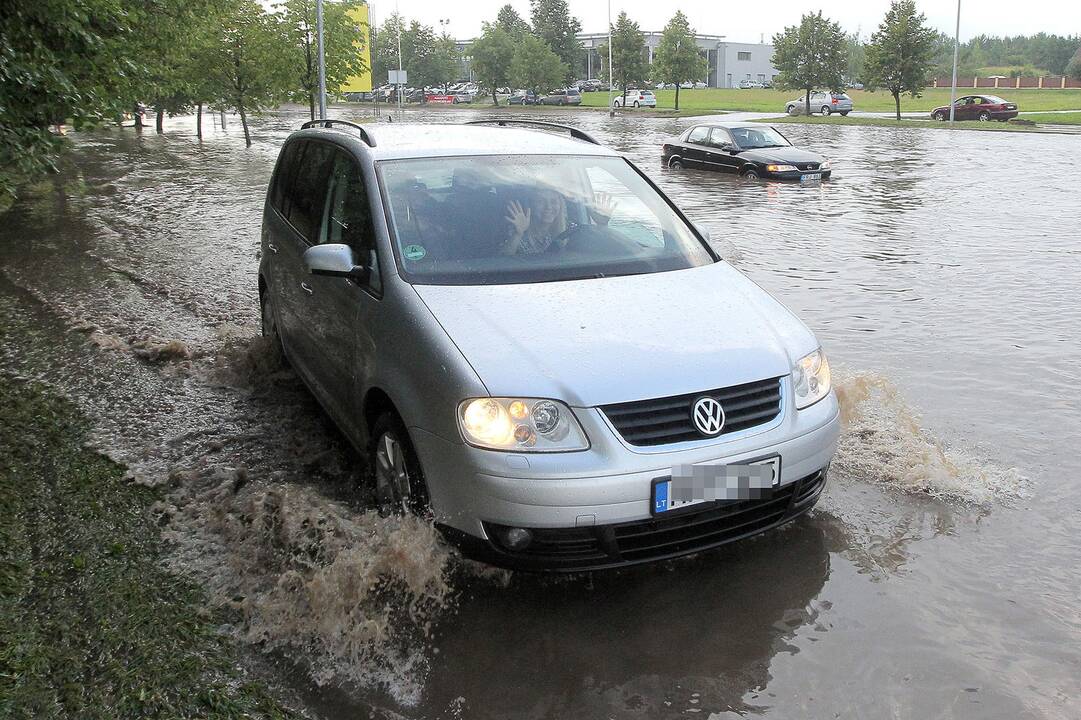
(535, 347)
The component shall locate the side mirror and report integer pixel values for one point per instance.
(334, 260)
(729, 147)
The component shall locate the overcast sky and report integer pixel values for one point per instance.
(744, 21)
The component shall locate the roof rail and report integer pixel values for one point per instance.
(328, 123)
(575, 132)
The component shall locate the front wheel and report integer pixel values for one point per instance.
(940, 116)
(791, 110)
(615, 103)
(636, 103)
(675, 164)
(985, 116)
(399, 480)
(751, 174)
(844, 113)
(825, 111)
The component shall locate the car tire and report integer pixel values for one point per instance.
(844, 113)
(825, 111)
(791, 110)
(675, 163)
(456, 101)
(751, 174)
(985, 116)
(397, 477)
(635, 103)
(269, 323)
(940, 116)
(615, 103)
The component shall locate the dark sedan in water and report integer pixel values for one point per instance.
(752, 150)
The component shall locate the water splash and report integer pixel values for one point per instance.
(882, 441)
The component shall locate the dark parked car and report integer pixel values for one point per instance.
(523, 98)
(569, 96)
(751, 150)
(977, 107)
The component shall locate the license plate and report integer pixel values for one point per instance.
(691, 485)
(810, 177)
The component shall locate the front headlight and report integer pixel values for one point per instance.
(780, 168)
(811, 379)
(521, 425)
(826, 165)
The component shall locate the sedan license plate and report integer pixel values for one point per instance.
(690, 485)
(810, 177)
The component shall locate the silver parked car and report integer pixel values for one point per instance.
(822, 103)
(535, 347)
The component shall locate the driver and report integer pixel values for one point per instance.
(536, 228)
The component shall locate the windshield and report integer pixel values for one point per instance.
(532, 218)
(754, 138)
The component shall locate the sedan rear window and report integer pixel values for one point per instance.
(532, 218)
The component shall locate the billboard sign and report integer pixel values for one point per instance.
(361, 82)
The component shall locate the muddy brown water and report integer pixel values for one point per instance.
(939, 577)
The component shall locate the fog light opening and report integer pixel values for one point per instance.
(514, 538)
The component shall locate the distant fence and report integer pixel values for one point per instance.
(1050, 82)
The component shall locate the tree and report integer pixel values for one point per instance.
(857, 55)
(677, 59)
(341, 54)
(385, 47)
(810, 55)
(552, 23)
(1073, 68)
(511, 22)
(629, 64)
(535, 66)
(901, 53)
(445, 61)
(253, 69)
(493, 56)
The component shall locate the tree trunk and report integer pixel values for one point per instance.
(244, 122)
(624, 103)
(807, 103)
(677, 97)
(199, 120)
(495, 100)
(138, 117)
(160, 116)
(311, 104)
(897, 101)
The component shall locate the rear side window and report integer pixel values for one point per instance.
(308, 192)
(698, 136)
(283, 177)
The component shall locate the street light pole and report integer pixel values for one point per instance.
(956, 48)
(322, 60)
(611, 112)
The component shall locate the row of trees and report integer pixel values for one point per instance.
(87, 62)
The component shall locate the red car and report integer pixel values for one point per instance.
(977, 107)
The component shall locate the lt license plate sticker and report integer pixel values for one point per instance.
(696, 484)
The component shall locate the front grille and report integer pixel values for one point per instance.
(808, 166)
(659, 537)
(668, 420)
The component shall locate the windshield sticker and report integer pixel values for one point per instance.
(415, 252)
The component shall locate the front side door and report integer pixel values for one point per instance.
(720, 156)
(340, 311)
(963, 109)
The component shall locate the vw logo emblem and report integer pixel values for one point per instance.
(708, 416)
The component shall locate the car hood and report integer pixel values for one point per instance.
(786, 155)
(601, 341)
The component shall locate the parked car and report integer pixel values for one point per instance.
(463, 96)
(523, 97)
(481, 363)
(415, 96)
(822, 103)
(752, 150)
(591, 85)
(977, 107)
(567, 96)
(636, 98)
(749, 84)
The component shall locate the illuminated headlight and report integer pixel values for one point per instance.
(521, 425)
(811, 379)
(826, 165)
(781, 168)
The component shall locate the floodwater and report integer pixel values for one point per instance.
(939, 577)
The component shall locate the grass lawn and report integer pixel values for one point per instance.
(886, 122)
(774, 100)
(91, 624)
(1055, 118)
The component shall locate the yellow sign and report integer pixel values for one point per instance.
(362, 82)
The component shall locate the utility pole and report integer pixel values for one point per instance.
(398, 85)
(956, 49)
(611, 110)
(322, 61)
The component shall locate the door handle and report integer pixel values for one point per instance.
(272, 248)
(306, 288)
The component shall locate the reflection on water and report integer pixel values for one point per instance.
(944, 285)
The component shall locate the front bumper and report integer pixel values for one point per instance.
(608, 486)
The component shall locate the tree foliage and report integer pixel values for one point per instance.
(810, 55)
(341, 55)
(553, 24)
(677, 58)
(857, 57)
(901, 53)
(493, 56)
(630, 66)
(536, 67)
(511, 22)
(1073, 68)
